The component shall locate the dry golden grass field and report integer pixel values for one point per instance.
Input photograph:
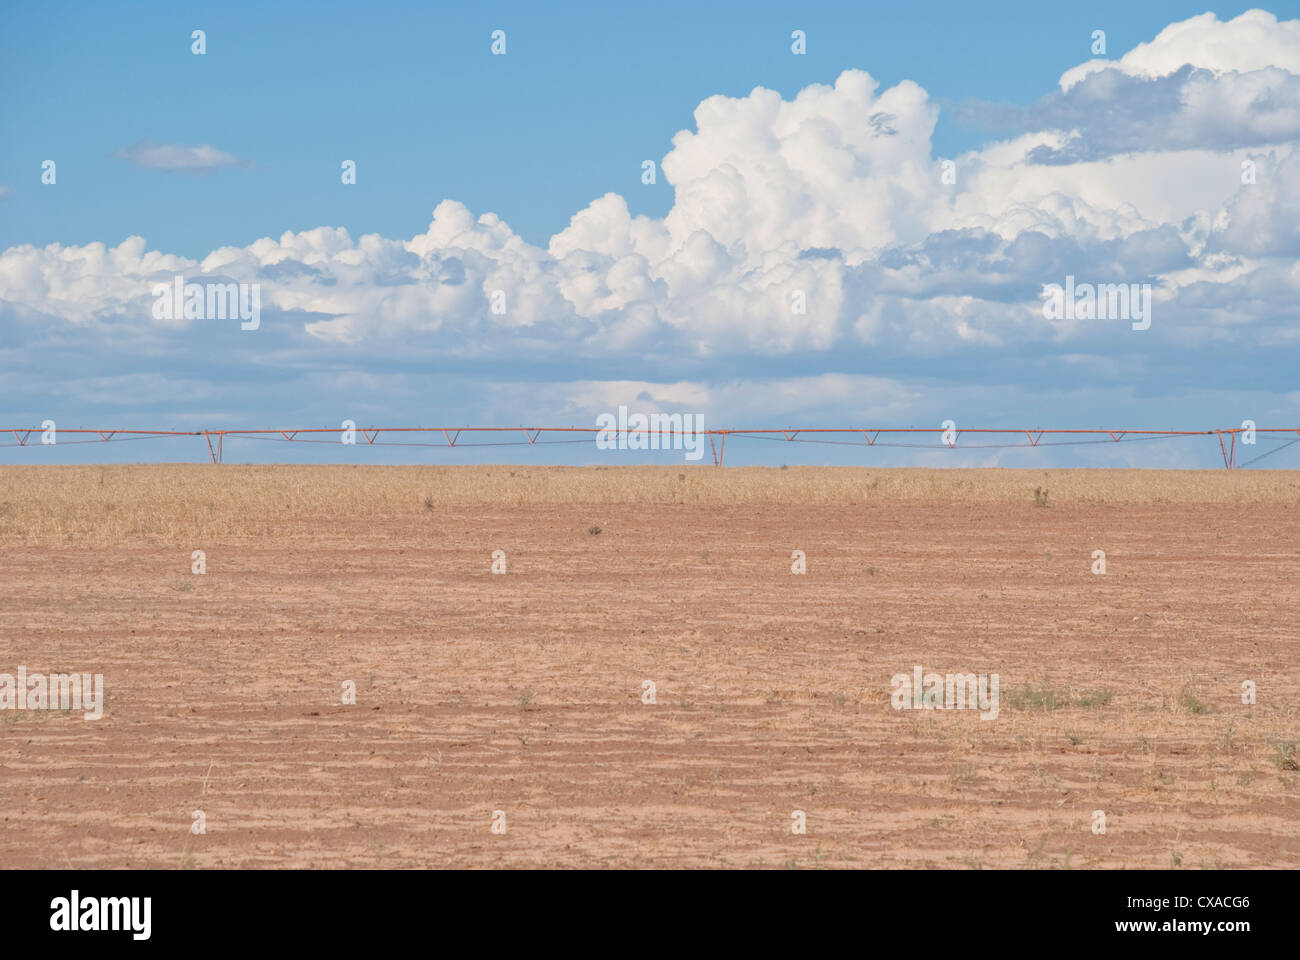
(522, 692)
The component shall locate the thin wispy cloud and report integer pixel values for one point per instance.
(177, 158)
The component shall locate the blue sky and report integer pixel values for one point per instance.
(911, 290)
(584, 94)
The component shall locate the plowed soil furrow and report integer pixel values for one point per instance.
(522, 692)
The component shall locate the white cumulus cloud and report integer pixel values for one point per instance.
(809, 225)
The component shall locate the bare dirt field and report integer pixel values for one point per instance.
(522, 692)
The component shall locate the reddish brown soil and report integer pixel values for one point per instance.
(521, 692)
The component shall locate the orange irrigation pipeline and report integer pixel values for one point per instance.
(215, 439)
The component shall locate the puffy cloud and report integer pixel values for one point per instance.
(1263, 219)
(762, 175)
(802, 226)
(1111, 112)
(83, 284)
(1253, 41)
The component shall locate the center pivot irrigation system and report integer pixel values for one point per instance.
(870, 437)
